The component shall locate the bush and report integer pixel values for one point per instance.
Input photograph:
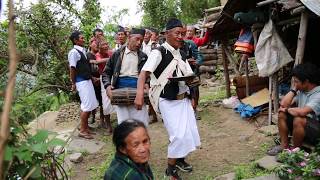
(298, 164)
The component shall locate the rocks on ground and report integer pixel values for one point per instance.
(270, 130)
(268, 162)
(76, 157)
(230, 176)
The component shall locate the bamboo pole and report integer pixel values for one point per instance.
(4, 129)
(270, 101)
(275, 92)
(226, 70)
(301, 38)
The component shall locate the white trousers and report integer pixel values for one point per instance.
(106, 103)
(180, 122)
(130, 112)
(87, 95)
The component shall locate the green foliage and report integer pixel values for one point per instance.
(298, 164)
(249, 171)
(157, 12)
(32, 153)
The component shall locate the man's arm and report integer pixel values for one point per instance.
(139, 100)
(73, 78)
(202, 41)
(287, 100)
(300, 112)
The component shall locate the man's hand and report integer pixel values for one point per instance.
(73, 87)
(282, 109)
(139, 101)
(93, 61)
(192, 61)
(109, 91)
(193, 103)
(96, 81)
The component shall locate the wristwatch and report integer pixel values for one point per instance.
(293, 91)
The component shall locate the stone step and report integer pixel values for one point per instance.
(268, 162)
(267, 177)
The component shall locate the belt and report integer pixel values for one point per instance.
(182, 96)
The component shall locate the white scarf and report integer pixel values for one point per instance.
(157, 85)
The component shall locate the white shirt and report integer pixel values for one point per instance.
(155, 58)
(146, 48)
(129, 65)
(74, 56)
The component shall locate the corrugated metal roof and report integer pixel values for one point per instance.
(313, 5)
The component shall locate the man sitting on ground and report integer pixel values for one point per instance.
(301, 121)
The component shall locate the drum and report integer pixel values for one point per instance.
(126, 96)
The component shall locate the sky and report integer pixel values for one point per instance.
(133, 18)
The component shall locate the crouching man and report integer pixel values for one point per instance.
(301, 121)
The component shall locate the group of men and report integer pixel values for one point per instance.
(137, 59)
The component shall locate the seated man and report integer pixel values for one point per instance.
(132, 153)
(302, 121)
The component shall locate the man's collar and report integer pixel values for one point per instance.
(127, 51)
(79, 48)
(314, 90)
(170, 47)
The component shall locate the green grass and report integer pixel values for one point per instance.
(251, 170)
(219, 94)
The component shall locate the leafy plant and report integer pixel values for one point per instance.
(32, 156)
(298, 164)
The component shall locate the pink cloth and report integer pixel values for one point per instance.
(99, 57)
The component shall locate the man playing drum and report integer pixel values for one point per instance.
(122, 72)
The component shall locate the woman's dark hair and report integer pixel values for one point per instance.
(307, 71)
(123, 130)
(74, 36)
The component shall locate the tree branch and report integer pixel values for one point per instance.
(48, 87)
(4, 129)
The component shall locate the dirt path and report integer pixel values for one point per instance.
(226, 140)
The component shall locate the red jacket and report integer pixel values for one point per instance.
(200, 41)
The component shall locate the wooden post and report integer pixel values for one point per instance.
(225, 69)
(301, 38)
(246, 62)
(275, 92)
(270, 101)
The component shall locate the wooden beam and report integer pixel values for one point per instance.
(246, 62)
(214, 9)
(275, 92)
(226, 70)
(301, 38)
(297, 10)
(270, 101)
(266, 2)
(232, 61)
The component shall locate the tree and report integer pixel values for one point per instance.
(157, 12)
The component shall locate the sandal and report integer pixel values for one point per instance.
(275, 150)
(85, 135)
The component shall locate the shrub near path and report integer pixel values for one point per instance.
(227, 141)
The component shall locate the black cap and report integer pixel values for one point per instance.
(173, 23)
(137, 31)
(120, 29)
